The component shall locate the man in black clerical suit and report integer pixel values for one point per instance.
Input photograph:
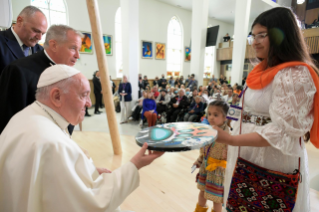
(19, 80)
(97, 91)
(21, 41)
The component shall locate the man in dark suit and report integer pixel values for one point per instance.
(18, 81)
(163, 82)
(21, 41)
(145, 82)
(97, 91)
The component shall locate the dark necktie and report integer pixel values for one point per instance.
(25, 50)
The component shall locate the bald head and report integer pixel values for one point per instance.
(31, 25)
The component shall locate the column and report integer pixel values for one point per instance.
(131, 43)
(198, 38)
(242, 13)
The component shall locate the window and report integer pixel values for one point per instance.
(209, 61)
(54, 10)
(174, 47)
(118, 44)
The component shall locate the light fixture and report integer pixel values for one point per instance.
(300, 1)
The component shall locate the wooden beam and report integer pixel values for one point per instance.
(97, 34)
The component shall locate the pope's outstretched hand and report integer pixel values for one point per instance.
(141, 159)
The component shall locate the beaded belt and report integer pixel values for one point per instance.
(257, 120)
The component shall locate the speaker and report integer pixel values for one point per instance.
(5, 13)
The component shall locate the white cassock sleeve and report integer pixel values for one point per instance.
(70, 182)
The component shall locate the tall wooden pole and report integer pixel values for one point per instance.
(105, 81)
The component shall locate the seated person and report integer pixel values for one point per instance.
(235, 100)
(224, 91)
(171, 81)
(238, 90)
(145, 82)
(136, 114)
(194, 110)
(192, 97)
(205, 98)
(188, 93)
(177, 104)
(210, 86)
(182, 86)
(217, 94)
(200, 90)
(176, 91)
(149, 109)
(171, 92)
(155, 92)
(147, 88)
(204, 90)
(177, 82)
(228, 97)
(162, 101)
(156, 82)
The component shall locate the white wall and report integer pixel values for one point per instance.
(154, 18)
(224, 28)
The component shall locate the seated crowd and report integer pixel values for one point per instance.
(180, 100)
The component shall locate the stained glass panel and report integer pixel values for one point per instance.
(174, 45)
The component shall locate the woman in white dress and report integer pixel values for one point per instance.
(286, 93)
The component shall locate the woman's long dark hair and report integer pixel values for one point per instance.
(286, 40)
(285, 37)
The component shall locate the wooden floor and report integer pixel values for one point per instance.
(165, 186)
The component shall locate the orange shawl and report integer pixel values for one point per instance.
(260, 77)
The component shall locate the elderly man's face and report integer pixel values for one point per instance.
(32, 28)
(76, 100)
(68, 51)
(181, 93)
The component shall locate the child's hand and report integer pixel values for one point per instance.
(197, 164)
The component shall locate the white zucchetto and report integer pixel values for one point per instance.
(55, 74)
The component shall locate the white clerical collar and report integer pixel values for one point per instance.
(45, 52)
(60, 121)
(17, 37)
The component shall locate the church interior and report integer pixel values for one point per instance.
(151, 38)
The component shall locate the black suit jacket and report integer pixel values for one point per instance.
(18, 84)
(10, 49)
(97, 85)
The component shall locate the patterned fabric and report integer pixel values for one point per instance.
(291, 119)
(212, 182)
(258, 120)
(254, 188)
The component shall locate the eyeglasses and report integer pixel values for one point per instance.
(259, 38)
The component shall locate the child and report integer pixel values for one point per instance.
(212, 162)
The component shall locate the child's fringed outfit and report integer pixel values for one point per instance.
(210, 179)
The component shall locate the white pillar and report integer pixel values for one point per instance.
(131, 42)
(242, 13)
(198, 38)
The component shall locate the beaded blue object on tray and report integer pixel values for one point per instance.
(178, 136)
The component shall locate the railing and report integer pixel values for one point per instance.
(312, 39)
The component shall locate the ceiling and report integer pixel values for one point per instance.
(225, 10)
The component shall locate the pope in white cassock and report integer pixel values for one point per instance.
(42, 169)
